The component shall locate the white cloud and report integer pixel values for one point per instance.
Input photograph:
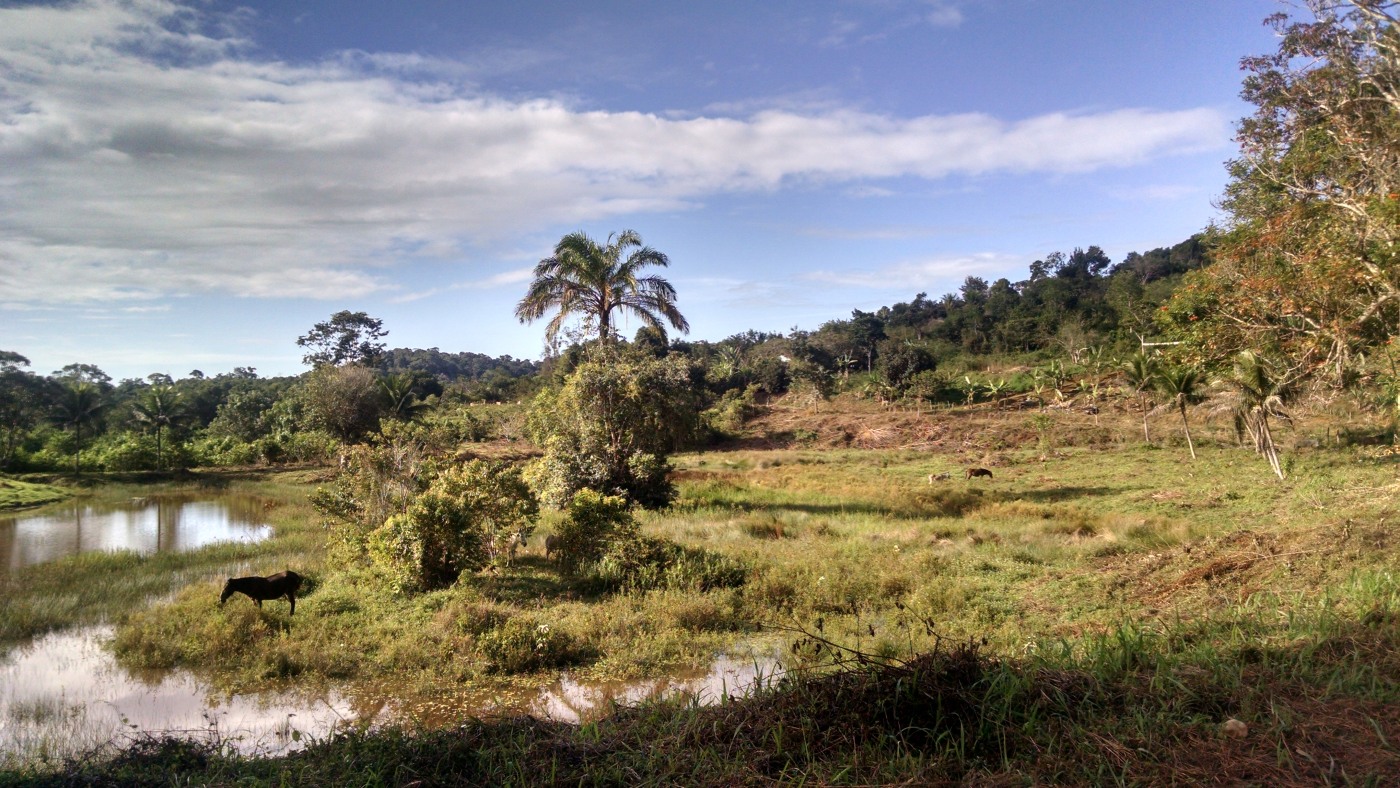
(144, 158)
(920, 274)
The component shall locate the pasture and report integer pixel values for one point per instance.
(1116, 604)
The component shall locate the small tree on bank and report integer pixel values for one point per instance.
(611, 426)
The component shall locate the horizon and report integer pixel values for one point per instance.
(194, 186)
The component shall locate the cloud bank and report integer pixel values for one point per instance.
(146, 156)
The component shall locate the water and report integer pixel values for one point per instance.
(63, 695)
(143, 525)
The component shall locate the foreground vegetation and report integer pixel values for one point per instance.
(1095, 612)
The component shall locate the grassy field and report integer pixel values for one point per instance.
(16, 494)
(1096, 612)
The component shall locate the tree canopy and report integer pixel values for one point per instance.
(592, 281)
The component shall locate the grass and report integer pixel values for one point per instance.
(1091, 615)
(16, 494)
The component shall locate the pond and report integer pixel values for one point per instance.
(144, 525)
(63, 695)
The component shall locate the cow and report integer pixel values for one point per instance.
(973, 473)
(262, 589)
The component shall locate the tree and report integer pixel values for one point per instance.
(158, 406)
(81, 403)
(401, 396)
(347, 338)
(591, 281)
(345, 401)
(1262, 393)
(21, 403)
(1308, 266)
(1181, 386)
(611, 425)
(1141, 371)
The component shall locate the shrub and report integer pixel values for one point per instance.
(458, 524)
(594, 521)
(523, 644)
(611, 426)
(641, 563)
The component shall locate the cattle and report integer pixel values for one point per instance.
(262, 589)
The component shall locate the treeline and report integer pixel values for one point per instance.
(77, 418)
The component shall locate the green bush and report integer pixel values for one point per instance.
(641, 563)
(524, 644)
(594, 521)
(458, 524)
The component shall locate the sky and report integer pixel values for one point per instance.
(193, 185)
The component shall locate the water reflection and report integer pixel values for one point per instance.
(143, 525)
(64, 695)
(574, 701)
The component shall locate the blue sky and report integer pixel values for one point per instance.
(193, 185)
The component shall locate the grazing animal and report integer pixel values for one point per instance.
(973, 473)
(513, 544)
(552, 545)
(939, 477)
(262, 589)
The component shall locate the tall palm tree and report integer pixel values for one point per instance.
(159, 406)
(593, 281)
(1182, 386)
(80, 404)
(1141, 371)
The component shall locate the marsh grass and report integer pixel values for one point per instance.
(1123, 603)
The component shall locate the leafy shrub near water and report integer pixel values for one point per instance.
(643, 563)
(524, 644)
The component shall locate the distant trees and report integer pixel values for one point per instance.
(22, 403)
(592, 281)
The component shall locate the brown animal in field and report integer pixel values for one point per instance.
(939, 477)
(973, 473)
(552, 544)
(262, 589)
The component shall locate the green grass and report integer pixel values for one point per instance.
(16, 494)
(1124, 601)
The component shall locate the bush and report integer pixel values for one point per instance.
(524, 644)
(594, 521)
(611, 426)
(458, 524)
(642, 563)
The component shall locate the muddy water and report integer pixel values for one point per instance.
(144, 525)
(63, 695)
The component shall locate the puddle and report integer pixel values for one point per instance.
(143, 525)
(64, 695)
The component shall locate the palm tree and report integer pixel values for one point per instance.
(159, 406)
(1182, 386)
(585, 279)
(80, 404)
(400, 396)
(1262, 395)
(1141, 371)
